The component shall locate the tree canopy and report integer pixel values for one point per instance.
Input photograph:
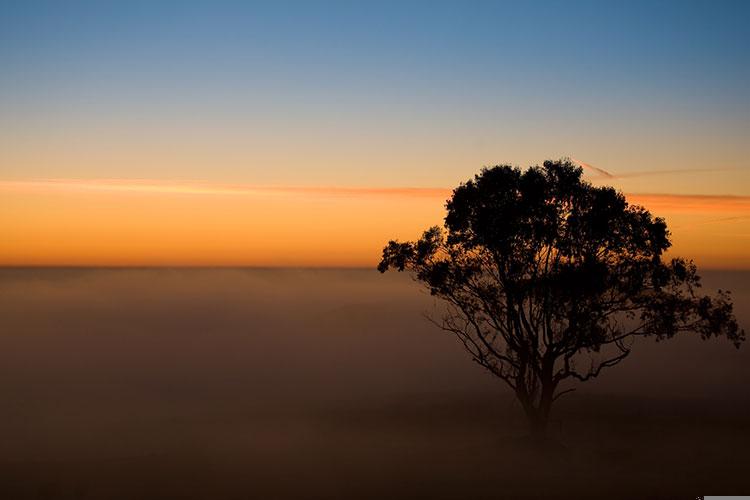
(548, 279)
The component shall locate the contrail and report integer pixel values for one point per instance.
(595, 169)
(645, 173)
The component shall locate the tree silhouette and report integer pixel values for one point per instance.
(548, 280)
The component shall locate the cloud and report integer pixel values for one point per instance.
(693, 203)
(644, 173)
(152, 186)
(728, 219)
(598, 170)
(681, 203)
(647, 173)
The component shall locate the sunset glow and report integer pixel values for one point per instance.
(139, 133)
(142, 222)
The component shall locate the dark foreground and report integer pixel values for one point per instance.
(328, 384)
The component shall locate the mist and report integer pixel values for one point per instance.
(295, 383)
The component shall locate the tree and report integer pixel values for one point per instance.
(548, 280)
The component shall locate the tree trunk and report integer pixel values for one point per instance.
(538, 422)
(538, 415)
(545, 406)
(541, 415)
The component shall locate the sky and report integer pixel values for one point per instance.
(310, 133)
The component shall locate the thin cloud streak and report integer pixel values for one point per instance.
(150, 186)
(645, 173)
(690, 203)
(728, 219)
(648, 173)
(588, 166)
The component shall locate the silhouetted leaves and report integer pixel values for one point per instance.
(539, 269)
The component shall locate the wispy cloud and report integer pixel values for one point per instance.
(732, 206)
(588, 166)
(693, 203)
(648, 173)
(153, 186)
(728, 219)
(644, 173)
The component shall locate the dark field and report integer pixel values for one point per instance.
(239, 384)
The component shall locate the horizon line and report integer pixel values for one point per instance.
(134, 267)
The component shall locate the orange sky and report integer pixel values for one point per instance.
(147, 222)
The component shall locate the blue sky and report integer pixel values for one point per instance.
(446, 86)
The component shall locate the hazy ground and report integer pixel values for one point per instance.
(329, 384)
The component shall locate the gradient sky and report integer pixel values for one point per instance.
(222, 133)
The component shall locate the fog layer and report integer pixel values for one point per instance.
(327, 383)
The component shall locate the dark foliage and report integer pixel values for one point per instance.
(548, 279)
